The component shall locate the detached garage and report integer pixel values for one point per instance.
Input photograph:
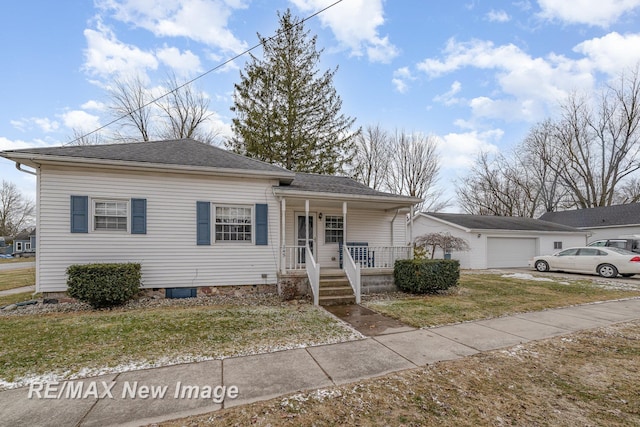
(496, 241)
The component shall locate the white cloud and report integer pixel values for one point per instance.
(8, 144)
(497, 16)
(355, 24)
(94, 105)
(183, 63)
(80, 120)
(105, 55)
(592, 12)
(526, 87)
(448, 98)
(459, 150)
(400, 78)
(45, 124)
(612, 53)
(203, 21)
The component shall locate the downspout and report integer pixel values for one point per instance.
(19, 167)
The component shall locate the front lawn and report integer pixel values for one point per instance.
(482, 296)
(33, 345)
(14, 298)
(11, 279)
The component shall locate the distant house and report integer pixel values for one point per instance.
(24, 243)
(196, 216)
(604, 222)
(497, 241)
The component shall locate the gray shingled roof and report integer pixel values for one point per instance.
(183, 152)
(332, 184)
(487, 222)
(605, 216)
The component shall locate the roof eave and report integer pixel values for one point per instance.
(404, 201)
(35, 160)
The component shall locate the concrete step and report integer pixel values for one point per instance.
(336, 291)
(334, 283)
(337, 300)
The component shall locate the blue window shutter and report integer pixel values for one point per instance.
(79, 214)
(138, 216)
(203, 219)
(262, 224)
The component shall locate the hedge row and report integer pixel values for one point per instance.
(426, 276)
(104, 285)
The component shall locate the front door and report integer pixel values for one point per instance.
(301, 235)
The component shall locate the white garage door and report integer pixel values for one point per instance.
(509, 252)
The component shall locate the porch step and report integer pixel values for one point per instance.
(335, 289)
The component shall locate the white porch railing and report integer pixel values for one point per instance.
(352, 270)
(313, 272)
(369, 257)
(294, 257)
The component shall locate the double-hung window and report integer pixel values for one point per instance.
(233, 223)
(110, 215)
(333, 229)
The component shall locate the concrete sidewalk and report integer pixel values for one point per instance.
(119, 399)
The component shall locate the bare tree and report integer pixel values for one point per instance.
(371, 160)
(595, 150)
(414, 166)
(185, 110)
(80, 137)
(132, 101)
(16, 212)
(443, 240)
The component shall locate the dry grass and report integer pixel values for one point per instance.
(14, 298)
(11, 279)
(46, 343)
(15, 260)
(482, 296)
(590, 378)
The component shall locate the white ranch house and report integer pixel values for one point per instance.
(196, 216)
(498, 241)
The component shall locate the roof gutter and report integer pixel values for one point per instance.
(20, 158)
(345, 196)
(19, 167)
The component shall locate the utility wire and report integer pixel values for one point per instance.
(153, 101)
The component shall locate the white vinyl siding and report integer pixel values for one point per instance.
(168, 252)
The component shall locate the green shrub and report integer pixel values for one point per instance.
(426, 276)
(104, 285)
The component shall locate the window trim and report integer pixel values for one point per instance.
(214, 224)
(326, 220)
(18, 247)
(126, 216)
(557, 245)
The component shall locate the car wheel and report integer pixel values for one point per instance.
(607, 270)
(627, 275)
(542, 266)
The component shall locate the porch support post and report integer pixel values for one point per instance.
(306, 219)
(411, 231)
(283, 243)
(344, 223)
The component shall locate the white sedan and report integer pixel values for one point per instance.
(607, 262)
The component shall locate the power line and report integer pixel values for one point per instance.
(153, 101)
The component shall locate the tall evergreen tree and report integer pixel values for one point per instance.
(287, 113)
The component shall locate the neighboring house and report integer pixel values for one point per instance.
(198, 216)
(606, 222)
(24, 244)
(496, 241)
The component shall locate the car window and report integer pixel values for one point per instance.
(622, 244)
(568, 252)
(621, 251)
(590, 252)
(635, 245)
(598, 243)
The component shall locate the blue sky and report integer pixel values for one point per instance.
(475, 74)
